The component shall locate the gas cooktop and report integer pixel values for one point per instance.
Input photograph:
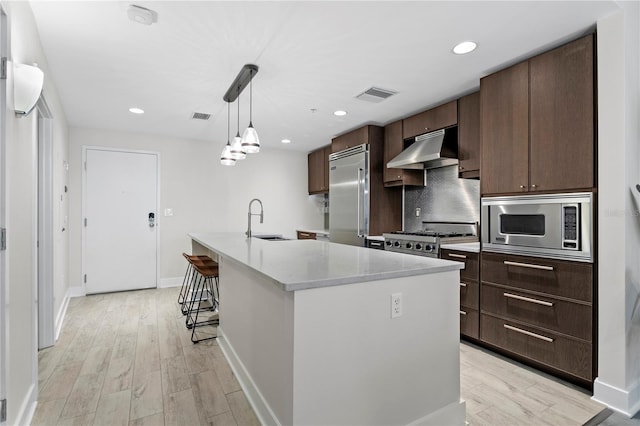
(426, 242)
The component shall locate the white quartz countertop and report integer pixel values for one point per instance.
(305, 264)
(469, 247)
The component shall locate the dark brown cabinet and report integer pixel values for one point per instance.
(504, 116)
(305, 235)
(442, 116)
(539, 309)
(469, 136)
(318, 169)
(562, 117)
(385, 212)
(537, 123)
(469, 290)
(393, 145)
(349, 140)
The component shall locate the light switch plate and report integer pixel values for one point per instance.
(168, 212)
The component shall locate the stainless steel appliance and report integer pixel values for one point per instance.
(429, 151)
(349, 195)
(427, 241)
(558, 226)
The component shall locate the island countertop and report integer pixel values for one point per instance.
(305, 264)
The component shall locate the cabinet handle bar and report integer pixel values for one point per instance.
(459, 256)
(528, 333)
(463, 313)
(527, 299)
(463, 284)
(528, 265)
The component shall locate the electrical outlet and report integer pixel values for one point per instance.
(418, 211)
(396, 305)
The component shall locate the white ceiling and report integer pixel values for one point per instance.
(312, 55)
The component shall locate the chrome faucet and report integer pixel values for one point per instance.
(253, 214)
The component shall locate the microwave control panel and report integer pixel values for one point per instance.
(570, 227)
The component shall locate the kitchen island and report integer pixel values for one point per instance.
(307, 327)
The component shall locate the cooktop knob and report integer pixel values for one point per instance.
(396, 244)
(429, 247)
(418, 246)
(409, 245)
(388, 243)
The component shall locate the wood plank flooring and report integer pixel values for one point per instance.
(126, 359)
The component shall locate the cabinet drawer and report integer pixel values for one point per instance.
(558, 315)
(469, 292)
(469, 322)
(573, 280)
(304, 235)
(562, 353)
(470, 260)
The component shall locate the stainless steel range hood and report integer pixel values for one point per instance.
(429, 151)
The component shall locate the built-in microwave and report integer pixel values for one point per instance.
(558, 226)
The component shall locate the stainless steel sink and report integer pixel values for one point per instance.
(271, 237)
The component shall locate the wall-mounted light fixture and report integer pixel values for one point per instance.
(27, 87)
(249, 142)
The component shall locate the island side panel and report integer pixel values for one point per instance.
(256, 323)
(354, 364)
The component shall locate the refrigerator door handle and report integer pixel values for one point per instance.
(360, 235)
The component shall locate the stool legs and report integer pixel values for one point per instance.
(199, 293)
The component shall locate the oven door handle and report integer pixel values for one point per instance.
(528, 265)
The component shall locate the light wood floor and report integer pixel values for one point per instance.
(126, 359)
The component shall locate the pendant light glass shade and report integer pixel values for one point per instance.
(250, 140)
(237, 151)
(225, 158)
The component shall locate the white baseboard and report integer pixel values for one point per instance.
(170, 282)
(626, 402)
(76, 291)
(28, 407)
(61, 314)
(260, 406)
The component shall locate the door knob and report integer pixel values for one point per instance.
(152, 220)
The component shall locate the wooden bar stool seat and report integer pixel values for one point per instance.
(203, 296)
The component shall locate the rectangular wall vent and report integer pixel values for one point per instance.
(375, 94)
(200, 116)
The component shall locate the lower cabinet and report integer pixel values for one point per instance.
(541, 310)
(469, 290)
(306, 235)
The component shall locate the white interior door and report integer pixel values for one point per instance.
(120, 220)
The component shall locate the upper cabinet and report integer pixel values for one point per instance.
(469, 136)
(349, 140)
(537, 123)
(445, 115)
(318, 166)
(562, 117)
(393, 145)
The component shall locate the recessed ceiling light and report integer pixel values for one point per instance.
(340, 113)
(136, 110)
(464, 47)
(286, 141)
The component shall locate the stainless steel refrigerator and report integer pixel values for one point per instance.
(349, 195)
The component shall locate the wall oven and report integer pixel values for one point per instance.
(558, 226)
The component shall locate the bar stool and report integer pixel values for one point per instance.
(204, 283)
(187, 282)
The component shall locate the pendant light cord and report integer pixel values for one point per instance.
(228, 120)
(251, 98)
(238, 135)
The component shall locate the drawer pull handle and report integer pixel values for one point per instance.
(528, 333)
(459, 256)
(528, 265)
(463, 313)
(463, 285)
(527, 299)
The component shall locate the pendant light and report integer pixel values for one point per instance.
(250, 140)
(226, 159)
(237, 148)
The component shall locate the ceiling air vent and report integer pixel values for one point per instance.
(375, 94)
(200, 116)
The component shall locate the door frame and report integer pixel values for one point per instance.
(4, 34)
(158, 227)
(45, 248)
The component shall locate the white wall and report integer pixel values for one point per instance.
(618, 382)
(21, 155)
(204, 195)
